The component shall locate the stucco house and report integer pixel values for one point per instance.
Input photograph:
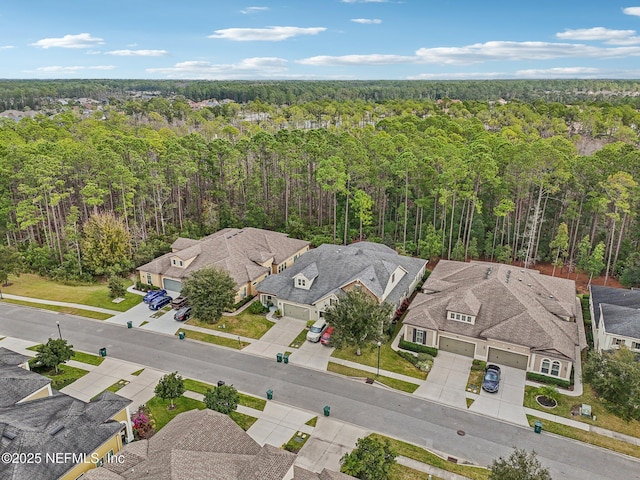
(249, 255)
(205, 445)
(317, 279)
(615, 314)
(501, 314)
(35, 419)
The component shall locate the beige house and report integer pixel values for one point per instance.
(249, 255)
(36, 419)
(501, 314)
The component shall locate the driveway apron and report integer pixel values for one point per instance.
(506, 404)
(447, 380)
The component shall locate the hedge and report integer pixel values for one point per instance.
(538, 377)
(416, 347)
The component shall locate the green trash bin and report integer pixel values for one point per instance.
(129, 324)
(278, 357)
(181, 335)
(537, 427)
(327, 410)
(103, 352)
(286, 358)
(269, 394)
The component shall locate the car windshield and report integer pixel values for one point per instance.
(491, 376)
(315, 329)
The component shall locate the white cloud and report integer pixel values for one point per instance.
(367, 21)
(246, 68)
(612, 37)
(250, 10)
(635, 11)
(138, 53)
(267, 34)
(55, 69)
(6, 47)
(82, 40)
(356, 60)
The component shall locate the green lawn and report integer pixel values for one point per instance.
(300, 339)
(389, 382)
(96, 295)
(586, 437)
(245, 324)
(312, 422)
(400, 472)
(215, 339)
(296, 442)
(137, 372)
(245, 400)
(87, 358)
(58, 308)
(66, 376)
(389, 359)
(162, 415)
(604, 418)
(420, 454)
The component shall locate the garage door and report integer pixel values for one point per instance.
(457, 346)
(172, 285)
(509, 359)
(295, 311)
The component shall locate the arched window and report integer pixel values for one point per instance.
(555, 368)
(545, 366)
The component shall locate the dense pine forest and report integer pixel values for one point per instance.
(505, 171)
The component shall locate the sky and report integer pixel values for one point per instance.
(319, 39)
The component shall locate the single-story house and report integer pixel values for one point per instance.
(317, 279)
(249, 255)
(205, 445)
(34, 419)
(500, 314)
(615, 314)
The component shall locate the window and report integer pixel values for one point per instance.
(545, 366)
(452, 315)
(333, 301)
(393, 278)
(173, 261)
(617, 342)
(457, 316)
(635, 345)
(180, 262)
(148, 279)
(302, 282)
(282, 267)
(419, 336)
(555, 368)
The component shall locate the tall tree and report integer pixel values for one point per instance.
(520, 465)
(223, 399)
(106, 245)
(560, 247)
(372, 459)
(211, 291)
(11, 263)
(53, 353)
(170, 387)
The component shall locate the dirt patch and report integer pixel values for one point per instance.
(546, 402)
(581, 279)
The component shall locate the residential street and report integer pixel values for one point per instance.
(417, 420)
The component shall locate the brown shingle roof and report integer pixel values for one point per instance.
(516, 306)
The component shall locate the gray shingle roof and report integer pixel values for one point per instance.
(338, 266)
(56, 424)
(612, 296)
(619, 320)
(11, 358)
(199, 445)
(238, 251)
(17, 383)
(525, 310)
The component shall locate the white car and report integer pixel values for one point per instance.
(316, 331)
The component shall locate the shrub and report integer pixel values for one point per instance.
(416, 347)
(538, 377)
(143, 423)
(116, 287)
(257, 308)
(243, 302)
(478, 365)
(422, 361)
(277, 313)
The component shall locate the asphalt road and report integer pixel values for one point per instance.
(425, 423)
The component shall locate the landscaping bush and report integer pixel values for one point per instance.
(478, 366)
(116, 287)
(277, 313)
(415, 347)
(257, 308)
(243, 302)
(421, 361)
(538, 377)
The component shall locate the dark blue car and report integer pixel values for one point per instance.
(153, 294)
(491, 381)
(159, 302)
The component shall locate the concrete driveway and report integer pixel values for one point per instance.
(447, 380)
(506, 404)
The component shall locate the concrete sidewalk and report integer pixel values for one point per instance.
(60, 304)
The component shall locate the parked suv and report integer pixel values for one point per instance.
(183, 314)
(153, 294)
(158, 302)
(316, 331)
(179, 302)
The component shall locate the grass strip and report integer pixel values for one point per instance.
(299, 340)
(87, 358)
(214, 339)
(66, 375)
(244, 399)
(421, 455)
(312, 422)
(400, 472)
(296, 442)
(61, 309)
(244, 324)
(137, 372)
(586, 437)
(389, 382)
(244, 421)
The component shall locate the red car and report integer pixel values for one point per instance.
(326, 336)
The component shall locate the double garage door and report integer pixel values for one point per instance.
(172, 285)
(509, 359)
(457, 346)
(295, 311)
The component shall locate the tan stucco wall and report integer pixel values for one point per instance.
(289, 261)
(156, 279)
(253, 286)
(114, 443)
(565, 366)
(41, 393)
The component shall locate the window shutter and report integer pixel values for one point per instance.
(414, 335)
(424, 337)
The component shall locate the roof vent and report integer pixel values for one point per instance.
(528, 284)
(8, 435)
(519, 279)
(56, 430)
(550, 296)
